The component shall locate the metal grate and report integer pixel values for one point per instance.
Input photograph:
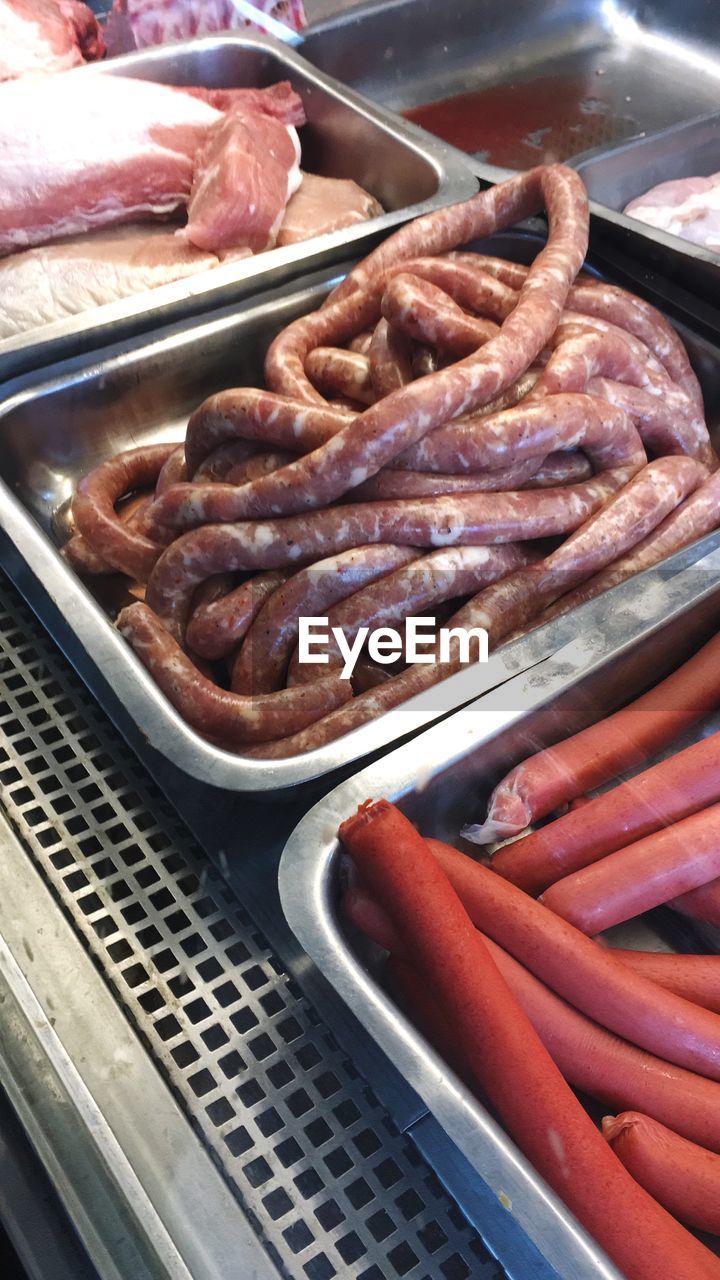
(331, 1185)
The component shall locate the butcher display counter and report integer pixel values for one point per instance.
(193, 1086)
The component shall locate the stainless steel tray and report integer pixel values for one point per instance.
(345, 137)
(616, 175)
(443, 779)
(53, 433)
(593, 72)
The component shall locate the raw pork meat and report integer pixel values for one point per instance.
(686, 207)
(159, 21)
(244, 175)
(63, 279)
(46, 35)
(53, 282)
(278, 100)
(72, 161)
(325, 204)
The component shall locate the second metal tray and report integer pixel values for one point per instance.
(441, 780)
(53, 432)
(345, 137)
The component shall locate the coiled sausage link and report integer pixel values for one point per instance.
(505, 605)
(246, 414)
(428, 315)
(533, 429)
(422, 584)
(696, 516)
(218, 625)
(556, 187)
(534, 473)
(605, 302)
(361, 449)
(227, 718)
(342, 373)
(466, 283)
(612, 353)
(430, 484)
(261, 662)
(475, 519)
(390, 355)
(120, 545)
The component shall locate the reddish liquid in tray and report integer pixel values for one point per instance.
(521, 125)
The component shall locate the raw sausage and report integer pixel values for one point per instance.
(475, 519)
(227, 718)
(261, 663)
(692, 519)
(506, 1056)
(408, 591)
(584, 761)
(656, 868)
(697, 978)
(679, 1174)
(217, 626)
(590, 1058)
(93, 508)
(670, 790)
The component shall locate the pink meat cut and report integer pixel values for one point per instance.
(53, 282)
(325, 204)
(686, 207)
(59, 280)
(244, 175)
(46, 35)
(73, 160)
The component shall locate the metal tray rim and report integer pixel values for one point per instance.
(306, 890)
(456, 182)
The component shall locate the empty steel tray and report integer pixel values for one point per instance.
(548, 81)
(345, 137)
(443, 779)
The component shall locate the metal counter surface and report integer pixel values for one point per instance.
(165, 980)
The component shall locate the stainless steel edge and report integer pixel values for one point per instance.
(210, 289)
(32, 1215)
(636, 611)
(138, 1185)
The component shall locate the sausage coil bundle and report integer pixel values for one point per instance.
(421, 434)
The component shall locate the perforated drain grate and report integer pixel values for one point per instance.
(331, 1185)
